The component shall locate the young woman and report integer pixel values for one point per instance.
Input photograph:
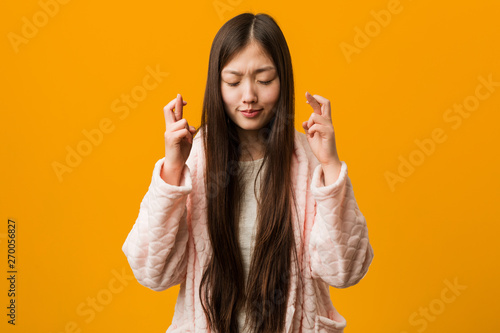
(252, 218)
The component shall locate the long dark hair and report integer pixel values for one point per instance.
(223, 293)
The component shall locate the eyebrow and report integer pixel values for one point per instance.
(257, 71)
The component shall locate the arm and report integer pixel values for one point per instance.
(156, 247)
(340, 249)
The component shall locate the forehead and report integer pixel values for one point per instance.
(252, 59)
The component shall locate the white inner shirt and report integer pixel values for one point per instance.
(248, 215)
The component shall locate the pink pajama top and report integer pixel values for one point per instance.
(169, 242)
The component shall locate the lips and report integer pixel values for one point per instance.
(251, 110)
(251, 113)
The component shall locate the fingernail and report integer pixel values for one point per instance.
(178, 95)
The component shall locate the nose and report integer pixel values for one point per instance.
(249, 93)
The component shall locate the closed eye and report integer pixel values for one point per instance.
(263, 82)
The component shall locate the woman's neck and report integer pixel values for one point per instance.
(252, 146)
(250, 154)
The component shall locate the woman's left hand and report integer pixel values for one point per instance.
(319, 131)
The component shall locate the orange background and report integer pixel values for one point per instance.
(436, 225)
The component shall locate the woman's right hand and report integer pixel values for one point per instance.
(178, 140)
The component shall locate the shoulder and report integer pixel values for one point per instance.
(197, 141)
(300, 142)
(196, 152)
(303, 149)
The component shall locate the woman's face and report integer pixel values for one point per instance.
(250, 81)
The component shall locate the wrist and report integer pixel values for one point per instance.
(171, 175)
(333, 164)
(331, 172)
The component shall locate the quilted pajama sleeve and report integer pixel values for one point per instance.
(156, 247)
(339, 246)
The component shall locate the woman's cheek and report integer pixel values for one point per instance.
(272, 97)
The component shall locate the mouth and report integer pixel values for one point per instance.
(250, 113)
(250, 110)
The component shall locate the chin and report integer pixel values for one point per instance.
(247, 127)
